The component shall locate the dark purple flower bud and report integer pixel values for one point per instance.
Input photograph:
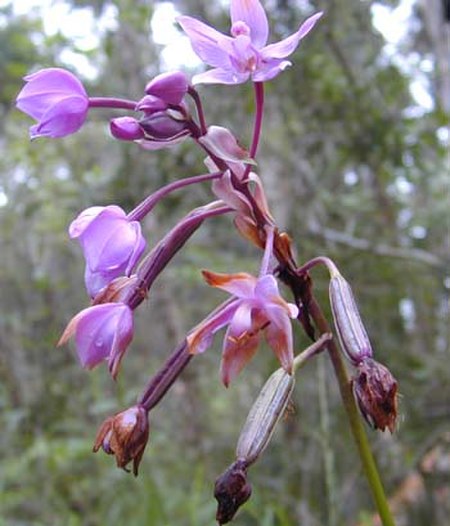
(232, 489)
(170, 87)
(151, 104)
(162, 125)
(375, 390)
(352, 335)
(126, 129)
(124, 435)
(56, 99)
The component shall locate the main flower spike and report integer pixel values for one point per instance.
(56, 99)
(112, 244)
(244, 54)
(101, 332)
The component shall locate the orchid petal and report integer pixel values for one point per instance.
(224, 145)
(224, 189)
(287, 46)
(236, 355)
(220, 76)
(252, 13)
(200, 338)
(241, 322)
(241, 284)
(270, 69)
(280, 341)
(205, 41)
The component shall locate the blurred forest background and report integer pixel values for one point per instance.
(355, 161)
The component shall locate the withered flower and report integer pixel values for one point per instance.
(232, 489)
(375, 390)
(124, 435)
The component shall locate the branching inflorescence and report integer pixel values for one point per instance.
(119, 274)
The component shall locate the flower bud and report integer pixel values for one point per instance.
(162, 126)
(126, 129)
(349, 327)
(231, 490)
(124, 435)
(375, 390)
(170, 87)
(264, 416)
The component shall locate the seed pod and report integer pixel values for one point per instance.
(352, 335)
(264, 415)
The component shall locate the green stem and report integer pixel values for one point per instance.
(356, 426)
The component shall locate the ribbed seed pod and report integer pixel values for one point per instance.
(352, 335)
(264, 415)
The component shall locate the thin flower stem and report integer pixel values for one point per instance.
(257, 127)
(112, 102)
(356, 425)
(312, 350)
(268, 251)
(319, 260)
(146, 206)
(198, 104)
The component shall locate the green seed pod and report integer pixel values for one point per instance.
(264, 415)
(352, 335)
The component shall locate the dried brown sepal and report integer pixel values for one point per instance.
(124, 435)
(116, 290)
(375, 390)
(232, 489)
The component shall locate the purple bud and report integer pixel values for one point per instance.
(162, 126)
(349, 327)
(170, 87)
(126, 129)
(151, 104)
(56, 99)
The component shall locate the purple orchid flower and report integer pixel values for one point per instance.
(112, 244)
(102, 332)
(56, 99)
(256, 307)
(245, 54)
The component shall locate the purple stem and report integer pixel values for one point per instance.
(164, 251)
(257, 127)
(111, 102)
(161, 382)
(319, 260)
(145, 207)
(267, 252)
(198, 104)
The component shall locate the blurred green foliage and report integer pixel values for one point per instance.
(351, 172)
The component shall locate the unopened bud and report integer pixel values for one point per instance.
(162, 126)
(232, 489)
(126, 129)
(124, 435)
(170, 87)
(375, 390)
(352, 335)
(264, 416)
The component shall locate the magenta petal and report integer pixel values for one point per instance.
(252, 13)
(63, 118)
(170, 87)
(242, 320)
(270, 69)
(102, 330)
(205, 41)
(82, 221)
(280, 341)
(220, 76)
(236, 355)
(287, 46)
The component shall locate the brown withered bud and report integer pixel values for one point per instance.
(232, 489)
(124, 435)
(375, 390)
